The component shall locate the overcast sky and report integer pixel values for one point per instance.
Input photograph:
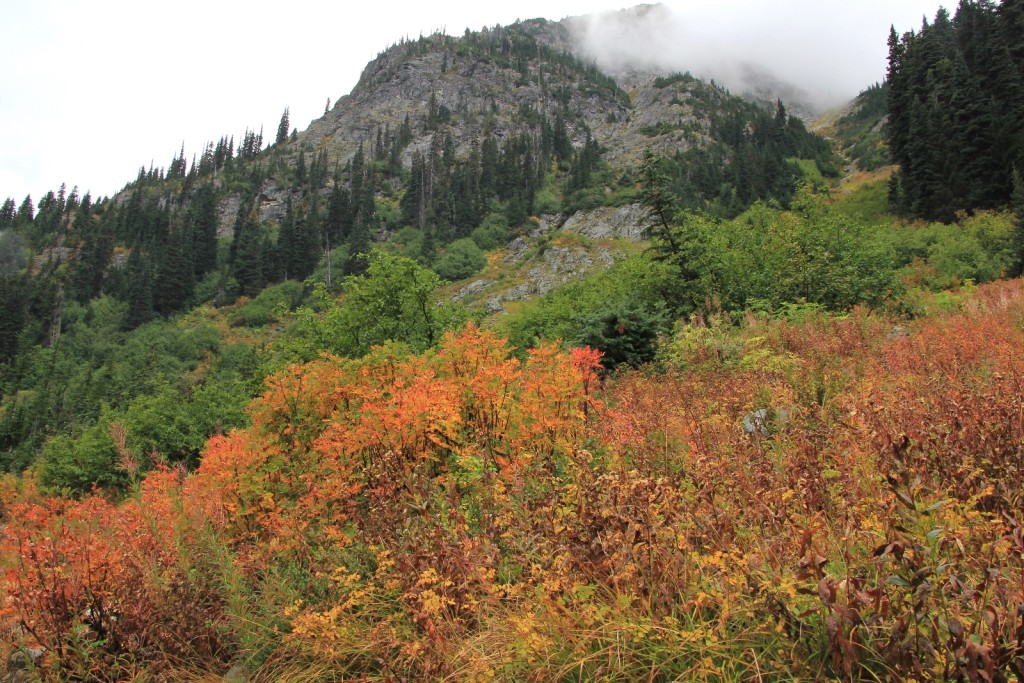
(90, 91)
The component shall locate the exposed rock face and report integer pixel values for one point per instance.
(561, 264)
(272, 203)
(482, 96)
(625, 222)
(554, 267)
(544, 268)
(517, 250)
(474, 287)
(228, 210)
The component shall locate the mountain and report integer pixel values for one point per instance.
(514, 121)
(651, 40)
(482, 82)
(501, 160)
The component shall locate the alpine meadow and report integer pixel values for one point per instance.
(517, 365)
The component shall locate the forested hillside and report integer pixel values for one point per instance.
(502, 370)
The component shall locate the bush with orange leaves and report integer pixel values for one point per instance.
(101, 588)
(347, 463)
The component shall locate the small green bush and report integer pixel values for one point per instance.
(76, 464)
(461, 259)
(269, 304)
(492, 233)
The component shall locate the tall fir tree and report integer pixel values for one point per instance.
(283, 127)
(248, 251)
(139, 285)
(175, 274)
(8, 214)
(203, 220)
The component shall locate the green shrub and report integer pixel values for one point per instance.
(492, 233)
(77, 463)
(461, 259)
(269, 304)
(624, 331)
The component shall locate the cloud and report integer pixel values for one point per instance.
(820, 54)
(91, 91)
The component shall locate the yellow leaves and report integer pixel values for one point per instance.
(428, 594)
(344, 578)
(430, 577)
(530, 640)
(433, 604)
(320, 631)
(292, 609)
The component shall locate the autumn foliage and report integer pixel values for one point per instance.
(466, 515)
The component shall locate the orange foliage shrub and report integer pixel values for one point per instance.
(99, 586)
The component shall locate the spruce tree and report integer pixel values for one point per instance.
(286, 243)
(283, 128)
(203, 220)
(139, 286)
(1018, 235)
(956, 110)
(337, 213)
(8, 214)
(26, 212)
(248, 251)
(174, 280)
(96, 248)
(12, 314)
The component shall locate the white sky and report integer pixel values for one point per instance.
(90, 91)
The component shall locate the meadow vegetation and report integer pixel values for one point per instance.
(462, 514)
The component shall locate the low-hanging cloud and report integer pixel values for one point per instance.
(816, 54)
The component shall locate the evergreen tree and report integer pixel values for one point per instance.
(309, 232)
(175, 275)
(95, 249)
(339, 213)
(1018, 236)
(203, 220)
(8, 214)
(26, 212)
(139, 285)
(282, 128)
(12, 314)
(178, 165)
(248, 251)
(561, 145)
(360, 236)
(286, 243)
(956, 110)
(677, 239)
